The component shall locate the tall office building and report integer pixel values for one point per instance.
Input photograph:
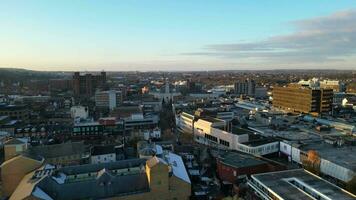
(246, 87)
(108, 99)
(303, 99)
(86, 84)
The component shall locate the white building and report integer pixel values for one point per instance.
(103, 154)
(152, 134)
(108, 99)
(210, 131)
(185, 122)
(80, 112)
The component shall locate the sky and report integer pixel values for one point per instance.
(177, 35)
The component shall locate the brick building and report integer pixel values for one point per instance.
(86, 84)
(233, 166)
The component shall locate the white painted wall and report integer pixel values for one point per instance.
(336, 171)
(105, 158)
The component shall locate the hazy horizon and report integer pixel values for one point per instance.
(177, 36)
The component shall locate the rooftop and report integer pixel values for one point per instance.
(59, 150)
(284, 184)
(238, 160)
(240, 131)
(211, 119)
(100, 150)
(343, 156)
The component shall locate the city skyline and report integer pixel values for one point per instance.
(177, 36)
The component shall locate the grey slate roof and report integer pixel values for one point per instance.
(105, 184)
(59, 150)
(96, 188)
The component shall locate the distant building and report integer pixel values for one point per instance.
(79, 112)
(303, 99)
(246, 87)
(87, 84)
(335, 85)
(260, 92)
(152, 134)
(60, 85)
(16, 112)
(108, 99)
(294, 184)
(165, 93)
(97, 129)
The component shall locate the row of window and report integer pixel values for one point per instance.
(88, 128)
(212, 138)
(225, 143)
(258, 150)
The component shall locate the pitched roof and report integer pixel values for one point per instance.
(178, 167)
(59, 150)
(15, 141)
(101, 150)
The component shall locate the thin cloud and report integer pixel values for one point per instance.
(318, 40)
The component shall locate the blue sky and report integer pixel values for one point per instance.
(175, 35)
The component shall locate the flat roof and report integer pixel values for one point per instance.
(279, 183)
(239, 160)
(343, 156)
(240, 131)
(258, 140)
(211, 119)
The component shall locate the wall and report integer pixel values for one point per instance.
(336, 171)
(13, 170)
(105, 158)
(11, 151)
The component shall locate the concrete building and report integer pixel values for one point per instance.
(185, 122)
(139, 123)
(108, 99)
(86, 84)
(153, 134)
(210, 131)
(294, 185)
(261, 92)
(97, 129)
(335, 85)
(156, 178)
(79, 112)
(302, 99)
(246, 87)
(16, 112)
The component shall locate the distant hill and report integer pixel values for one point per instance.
(16, 74)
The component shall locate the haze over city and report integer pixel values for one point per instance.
(177, 35)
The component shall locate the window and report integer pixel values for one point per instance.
(211, 138)
(225, 143)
